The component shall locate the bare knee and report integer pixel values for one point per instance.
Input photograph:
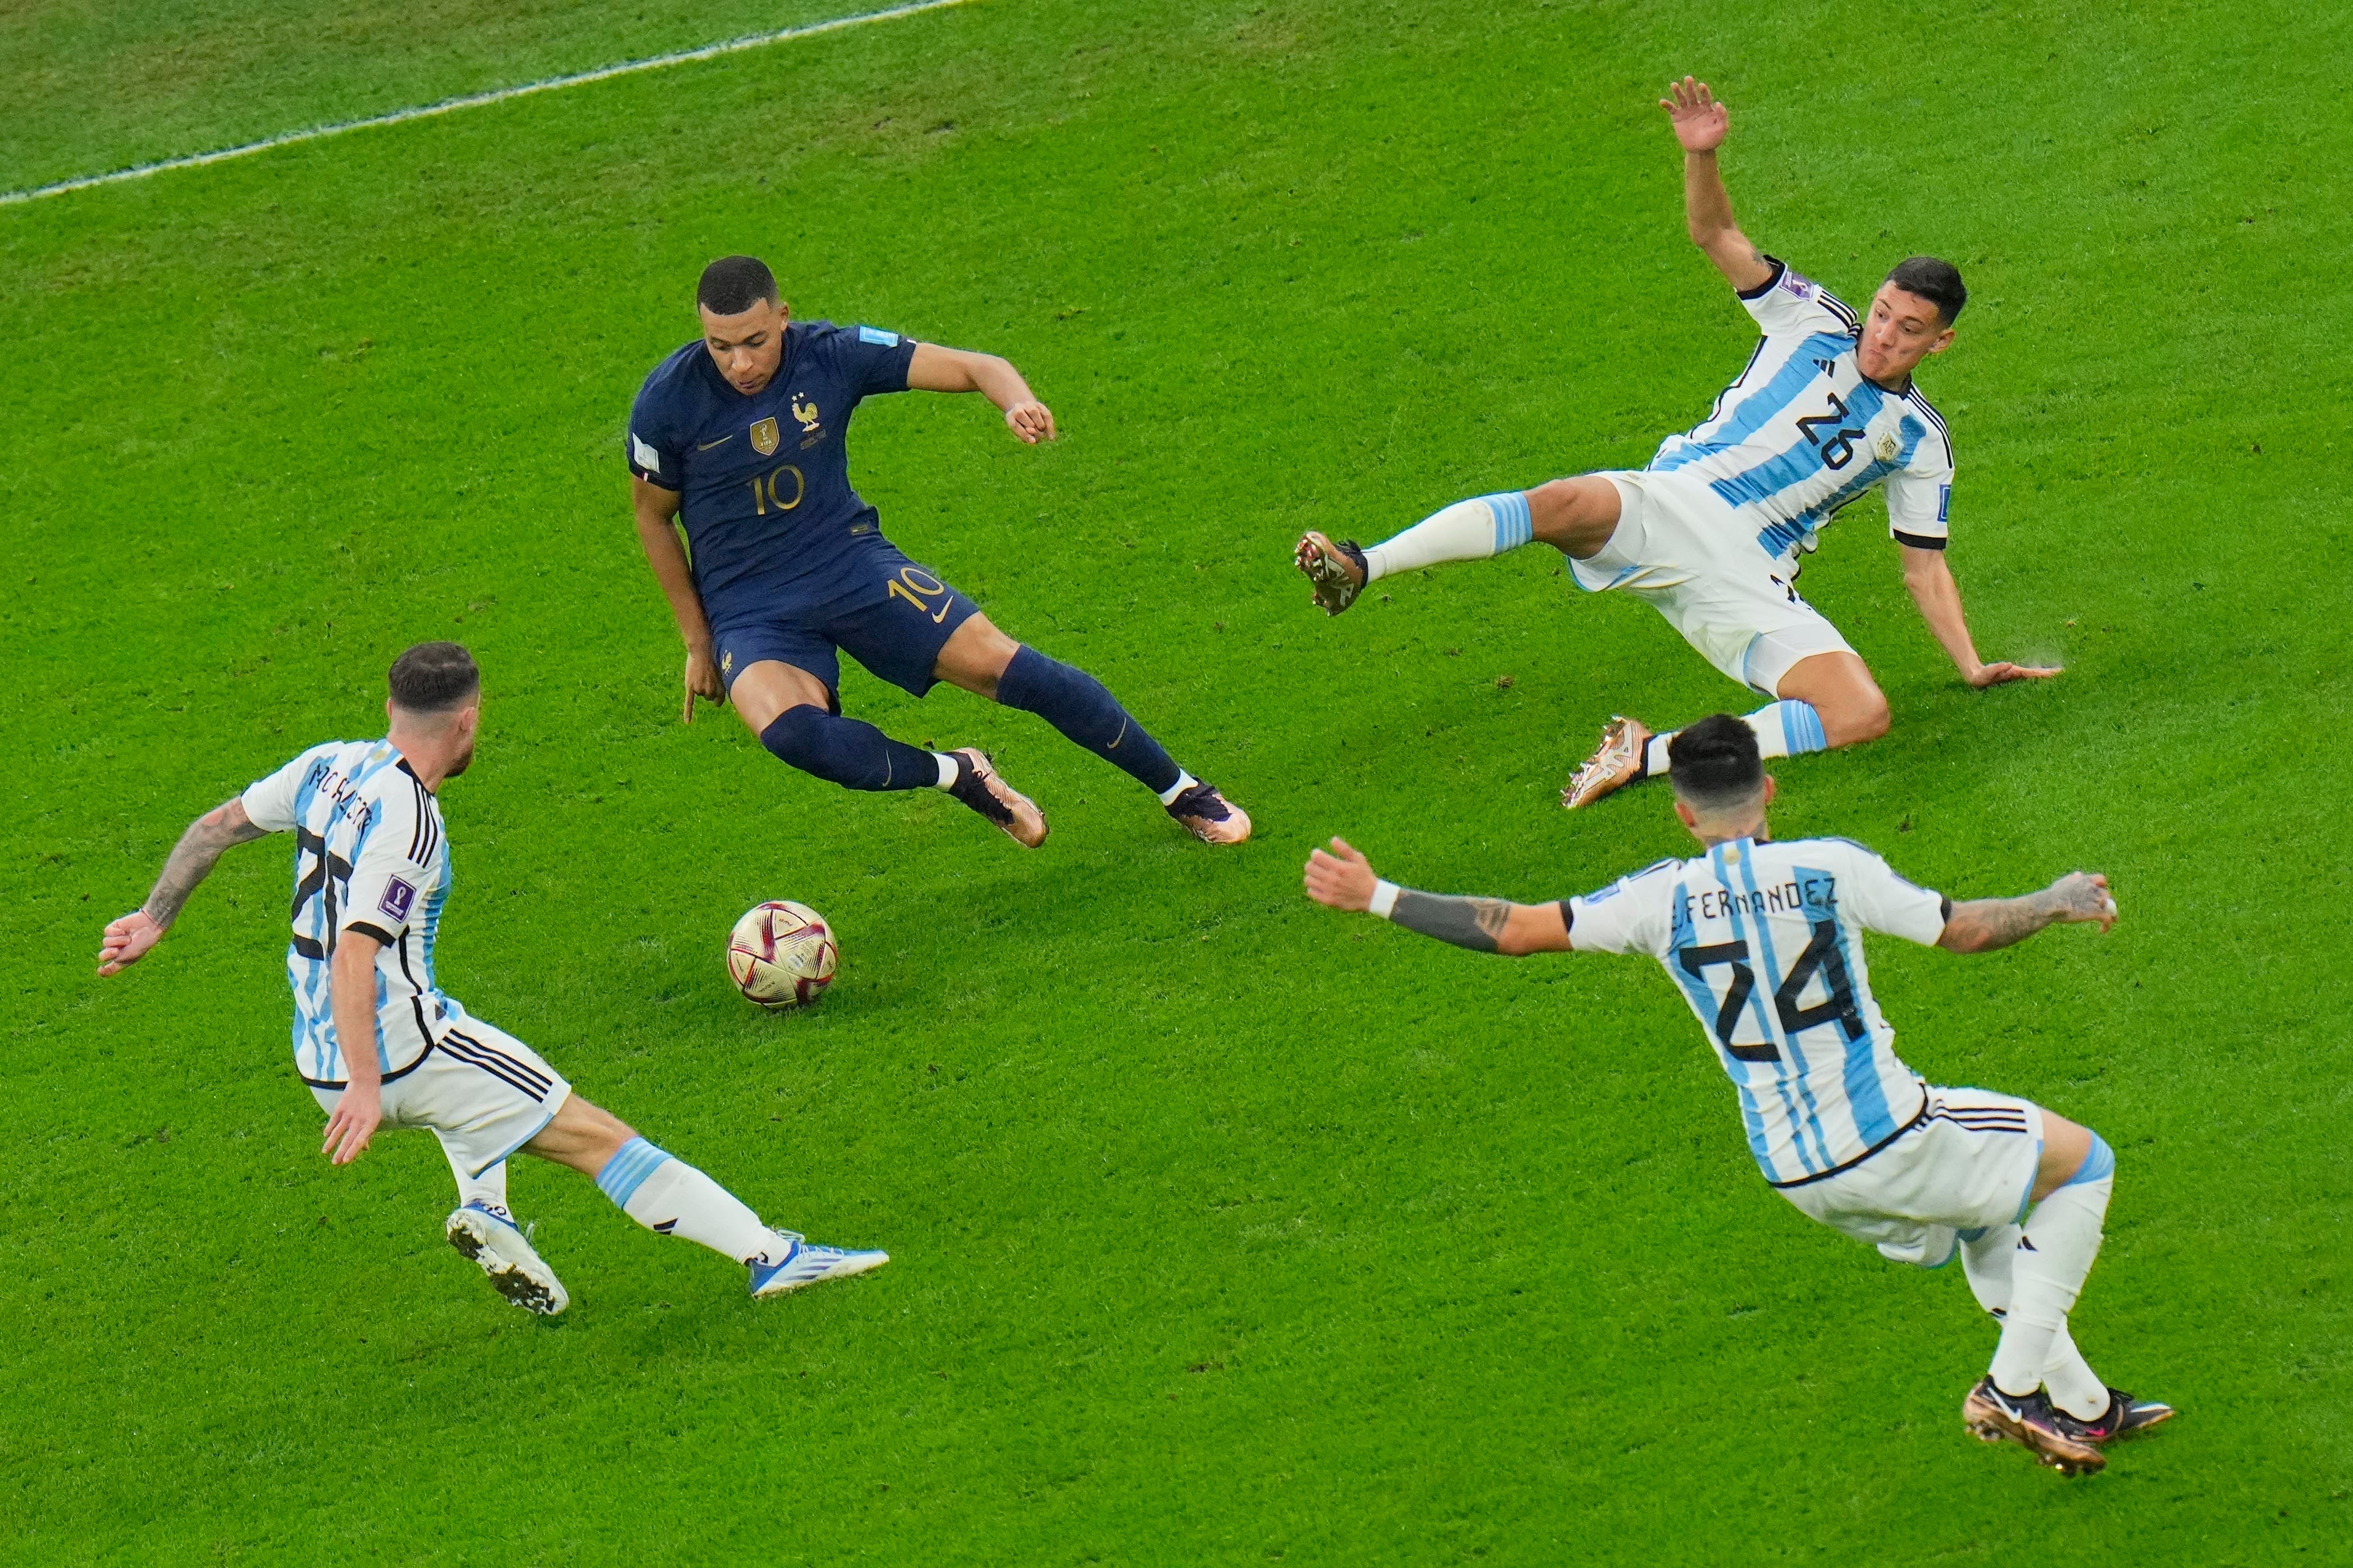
(1856, 718)
(1576, 516)
(1839, 689)
(974, 657)
(581, 1135)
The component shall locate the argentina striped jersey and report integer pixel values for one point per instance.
(1800, 435)
(1765, 943)
(369, 856)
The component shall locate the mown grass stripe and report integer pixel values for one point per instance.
(474, 100)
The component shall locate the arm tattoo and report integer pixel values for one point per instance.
(1474, 923)
(1986, 924)
(193, 857)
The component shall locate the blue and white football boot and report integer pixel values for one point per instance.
(792, 1263)
(489, 1236)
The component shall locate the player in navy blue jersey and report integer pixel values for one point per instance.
(740, 437)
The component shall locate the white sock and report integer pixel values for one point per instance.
(1467, 530)
(671, 1197)
(489, 1189)
(949, 768)
(2046, 1273)
(2072, 1384)
(1786, 728)
(1184, 781)
(2070, 1381)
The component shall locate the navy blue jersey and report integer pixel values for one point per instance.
(765, 480)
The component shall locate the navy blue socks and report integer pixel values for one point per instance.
(849, 753)
(1077, 704)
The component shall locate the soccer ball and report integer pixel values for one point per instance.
(781, 954)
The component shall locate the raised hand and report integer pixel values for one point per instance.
(127, 941)
(2002, 671)
(1700, 122)
(1342, 878)
(2080, 897)
(1031, 420)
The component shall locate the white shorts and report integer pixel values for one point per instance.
(1969, 1162)
(1696, 560)
(483, 1092)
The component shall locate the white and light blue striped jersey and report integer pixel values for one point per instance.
(1801, 433)
(369, 856)
(1766, 941)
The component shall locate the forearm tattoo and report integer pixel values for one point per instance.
(193, 857)
(1475, 924)
(1999, 922)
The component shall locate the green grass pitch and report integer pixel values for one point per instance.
(1227, 1230)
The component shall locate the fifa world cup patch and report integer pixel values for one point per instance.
(398, 899)
(877, 337)
(764, 437)
(1797, 287)
(647, 458)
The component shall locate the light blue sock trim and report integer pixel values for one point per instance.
(1513, 526)
(626, 1170)
(1803, 727)
(2098, 1165)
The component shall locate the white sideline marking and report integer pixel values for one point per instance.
(603, 73)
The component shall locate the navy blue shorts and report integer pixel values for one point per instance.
(894, 621)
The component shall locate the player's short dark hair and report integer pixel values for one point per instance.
(1714, 763)
(433, 678)
(733, 284)
(1938, 282)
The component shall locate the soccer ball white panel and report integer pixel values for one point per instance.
(781, 954)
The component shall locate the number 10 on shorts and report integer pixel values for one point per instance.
(918, 586)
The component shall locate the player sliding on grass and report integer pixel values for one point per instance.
(1714, 532)
(741, 435)
(371, 875)
(1766, 942)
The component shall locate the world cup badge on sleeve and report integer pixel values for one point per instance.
(398, 899)
(764, 437)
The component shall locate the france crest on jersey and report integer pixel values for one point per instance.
(763, 480)
(1765, 943)
(1800, 435)
(369, 856)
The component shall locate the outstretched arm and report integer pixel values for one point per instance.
(128, 940)
(1701, 124)
(1984, 924)
(935, 369)
(655, 508)
(1931, 583)
(1342, 878)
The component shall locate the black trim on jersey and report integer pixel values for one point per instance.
(1780, 267)
(1568, 917)
(1912, 395)
(1841, 310)
(379, 932)
(346, 1083)
(1918, 541)
(1919, 1119)
(1945, 903)
(415, 994)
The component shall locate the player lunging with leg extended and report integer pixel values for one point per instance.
(1715, 532)
(740, 436)
(1766, 942)
(370, 876)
